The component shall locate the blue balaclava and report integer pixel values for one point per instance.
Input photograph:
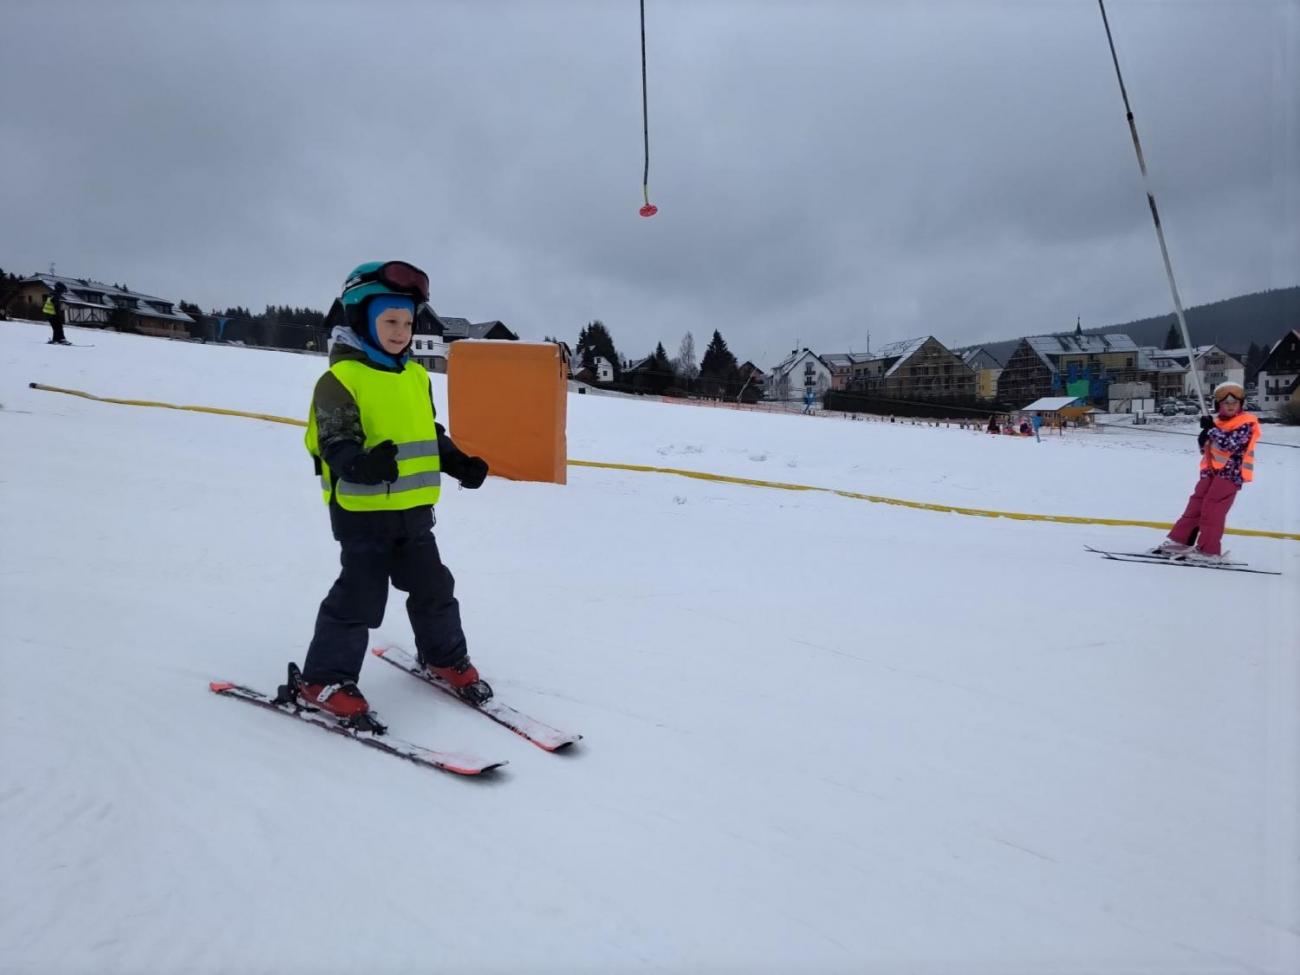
(363, 300)
(379, 304)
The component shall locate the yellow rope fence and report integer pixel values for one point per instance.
(721, 478)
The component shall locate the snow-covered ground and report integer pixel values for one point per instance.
(822, 735)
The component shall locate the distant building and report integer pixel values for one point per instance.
(429, 351)
(455, 329)
(1279, 377)
(841, 365)
(797, 374)
(1213, 366)
(1166, 375)
(916, 369)
(434, 334)
(1072, 364)
(987, 369)
(1216, 366)
(1058, 410)
(1133, 397)
(99, 305)
(643, 376)
(750, 374)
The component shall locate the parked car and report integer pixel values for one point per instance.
(1168, 408)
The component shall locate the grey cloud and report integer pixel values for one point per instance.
(823, 169)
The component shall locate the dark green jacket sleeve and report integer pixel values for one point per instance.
(451, 457)
(338, 423)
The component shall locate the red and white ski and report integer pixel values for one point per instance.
(540, 734)
(456, 762)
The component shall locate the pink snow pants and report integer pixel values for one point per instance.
(1207, 510)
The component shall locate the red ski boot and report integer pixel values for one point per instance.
(464, 680)
(342, 701)
(345, 701)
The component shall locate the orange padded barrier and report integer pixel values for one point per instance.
(508, 404)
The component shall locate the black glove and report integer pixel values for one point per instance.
(473, 471)
(470, 471)
(1207, 422)
(1201, 438)
(374, 466)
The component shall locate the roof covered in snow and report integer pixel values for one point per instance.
(80, 291)
(844, 360)
(1050, 404)
(899, 350)
(794, 358)
(1158, 360)
(1072, 344)
(980, 358)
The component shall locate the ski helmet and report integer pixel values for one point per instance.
(373, 279)
(385, 278)
(1229, 388)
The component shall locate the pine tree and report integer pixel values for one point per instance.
(585, 353)
(593, 341)
(1173, 340)
(659, 362)
(8, 288)
(718, 362)
(1255, 357)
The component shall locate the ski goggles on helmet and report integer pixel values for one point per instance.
(1224, 390)
(1224, 397)
(397, 276)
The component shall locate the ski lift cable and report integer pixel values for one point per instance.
(1151, 201)
(1129, 428)
(649, 209)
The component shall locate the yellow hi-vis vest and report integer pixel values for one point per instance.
(394, 406)
(48, 307)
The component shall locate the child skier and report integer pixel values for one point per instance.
(380, 454)
(54, 310)
(1227, 460)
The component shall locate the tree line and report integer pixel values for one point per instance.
(717, 374)
(8, 287)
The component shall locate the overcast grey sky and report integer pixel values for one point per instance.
(823, 169)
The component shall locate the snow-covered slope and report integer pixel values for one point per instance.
(821, 734)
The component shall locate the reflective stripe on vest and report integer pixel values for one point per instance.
(405, 451)
(396, 407)
(1217, 459)
(406, 482)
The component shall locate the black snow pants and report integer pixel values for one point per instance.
(355, 605)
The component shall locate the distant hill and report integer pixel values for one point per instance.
(1232, 324)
